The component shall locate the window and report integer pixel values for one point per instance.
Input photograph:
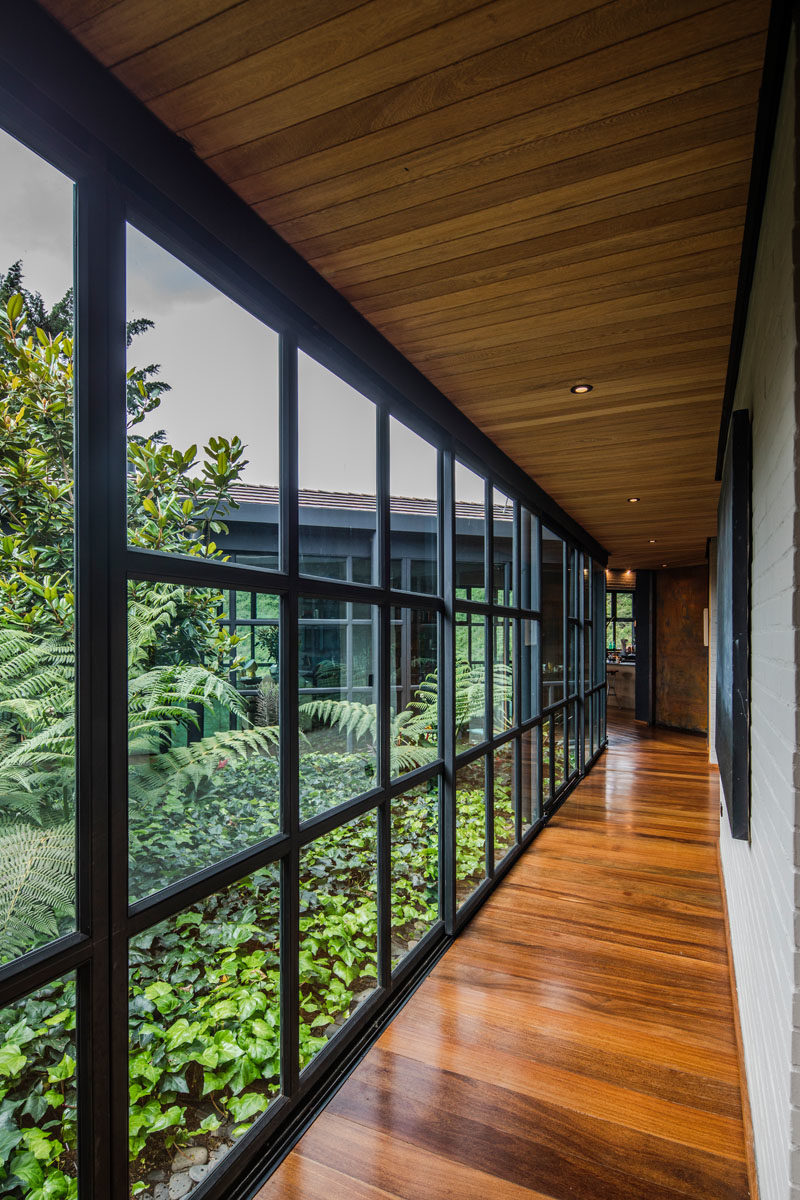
(620, 626)
(337, 463)
(37, 565)
(329, 678)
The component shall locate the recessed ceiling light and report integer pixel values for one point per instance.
(633, 499)
(580, 389)
(652, 541)
(663, 564)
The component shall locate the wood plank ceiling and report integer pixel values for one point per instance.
(521, 195)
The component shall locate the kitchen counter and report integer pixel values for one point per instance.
(621, 679)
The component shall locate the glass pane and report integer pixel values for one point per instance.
(505, 773)
(624, 636)
(610, 604)
(529, 681)
(336, 475)
(547, 765)
(415, 866)
(202, 411)
(203, 770)
(572, 742)
(529, 558)
(624, 604)
(572, 645)
(573, 583)
(530, 792)
(470, 680)
(552, 617)
(204, 1030)
(415, 689)
(503, 678)
(338, 930)
(587, 588)
(337, 647)
(413, 509)
(599, 627)
(37, 628)
(587, 657)
(470, 828)
(503, 552)
(558, 748)
(38, 1105)
(470, 491)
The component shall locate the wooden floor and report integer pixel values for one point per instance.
(577, 1040)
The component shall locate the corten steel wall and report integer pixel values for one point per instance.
(761, 879)
(681, 656)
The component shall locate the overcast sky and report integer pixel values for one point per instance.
(221, 363)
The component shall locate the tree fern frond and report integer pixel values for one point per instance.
(37, 884)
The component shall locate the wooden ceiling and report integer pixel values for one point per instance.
(521, 195)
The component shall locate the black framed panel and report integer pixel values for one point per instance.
(336, 732)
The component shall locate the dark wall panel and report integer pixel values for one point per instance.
(681, 684)
(643, 604)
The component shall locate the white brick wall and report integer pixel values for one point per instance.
(761, 878)
(712, 650)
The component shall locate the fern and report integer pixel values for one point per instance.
(411, 742)
(37, 884)
(189, 765)
(410, 730)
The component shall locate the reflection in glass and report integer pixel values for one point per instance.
(414, 489)
(37, 613)
(599, 624)
(547, 760)
(204, 1026)
(470, 828)
(203, 421)
(552, 617)
(337, 651)
(530, 792)
(203, 771)
(504, 674)
(587, 588)
(587, 657)
(572, 740)
(529, 559)
(470, 717)
(337, 475)
(529, 680)
(503, 548)
(558, 748)
(415, 866)
(38, 1130)
(505, 774)
(470, 571)
(572, 648)
(573, 582)
(415, 689)
(338, 930)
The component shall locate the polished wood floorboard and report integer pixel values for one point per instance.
(577, 1041)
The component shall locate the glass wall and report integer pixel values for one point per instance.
(332, 674)
(37, 561)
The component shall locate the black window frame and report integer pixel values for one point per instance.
(38, 108)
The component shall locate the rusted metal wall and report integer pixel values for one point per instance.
(681, 656)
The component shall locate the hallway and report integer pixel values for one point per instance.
(577, 1040)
